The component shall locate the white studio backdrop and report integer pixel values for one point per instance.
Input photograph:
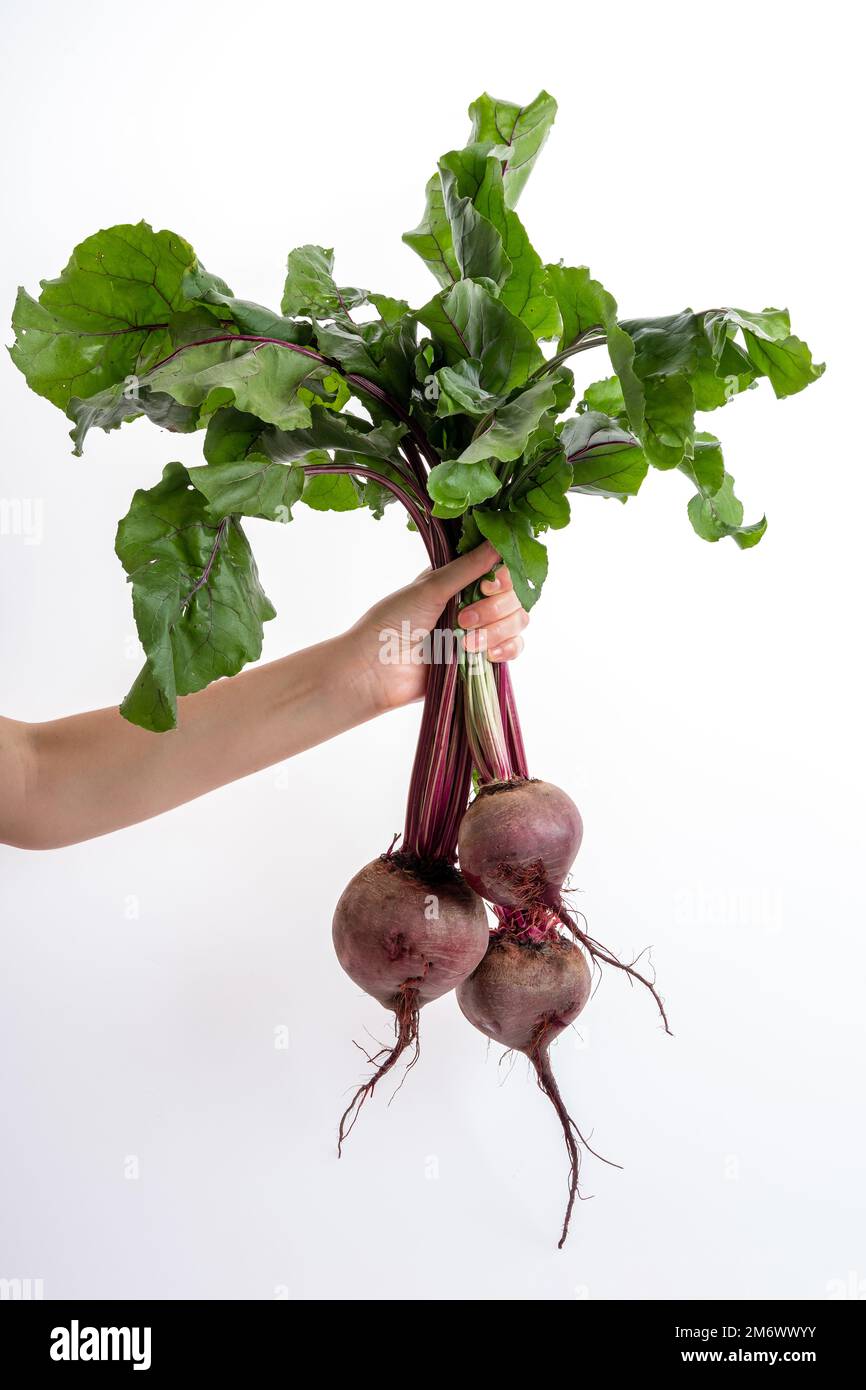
(702, 705)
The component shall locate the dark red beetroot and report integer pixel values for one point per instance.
(406, 935)
(518, 841)
(522, 995)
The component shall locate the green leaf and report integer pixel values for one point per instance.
(333, 492)
(328, 390)
(477, 243)
(669, 367)
(470, 536)
(277, 384)
(610, 472)
(585, 304)
(510, 533)
(376, 495)
(591, 429)
(231, 435)
(653, 360)
(262, 381)
(345, 432)
(506, 435)
(468, 322)
(517, 132)
(198, 603)
(525, 289)
(456, 486)
(432, 239)
(563, 386)
(490, 241)
(721, 515)
(702, 348)
(106, 316)
(310, 288)
(715, 511)
(122, 404)
(666, 346)
(383, 353)
(542, 498)
(459, 390)
(774, 351)
(707, 467)
(255, 486)
(605, 460)
(391, 311)
(666, 357)
(747, 536)
(669, 420)
(247, 472)
(248, 318)
(194, 323)
(606, 397)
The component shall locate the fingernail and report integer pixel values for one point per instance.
(495, 654)
(492, 585)
(468, 618)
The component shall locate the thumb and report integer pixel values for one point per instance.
(444, 583)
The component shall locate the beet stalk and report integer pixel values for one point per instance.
(408, 928)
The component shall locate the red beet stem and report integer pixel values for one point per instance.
(442, 770)
(513, 731)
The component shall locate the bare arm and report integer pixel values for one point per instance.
(72, 779)
(91, 773)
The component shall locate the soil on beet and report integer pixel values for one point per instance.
(496, 788)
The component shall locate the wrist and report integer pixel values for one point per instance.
(361, 676)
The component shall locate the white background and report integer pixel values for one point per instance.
(704, 706)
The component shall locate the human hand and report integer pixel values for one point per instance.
(492, 624)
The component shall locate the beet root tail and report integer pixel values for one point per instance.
(601, 956)
(406, 1014)
(540, 1059)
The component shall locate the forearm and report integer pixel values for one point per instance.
(89, 774)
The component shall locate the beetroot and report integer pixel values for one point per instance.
(518, 841)
(528, 988)
(406, 933)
